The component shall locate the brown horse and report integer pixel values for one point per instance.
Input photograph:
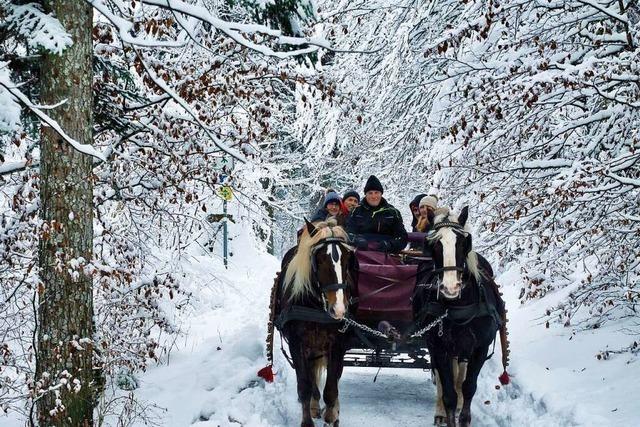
(318, 286)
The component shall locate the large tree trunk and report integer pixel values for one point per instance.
(65, 313)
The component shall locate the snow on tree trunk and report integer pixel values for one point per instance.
(65, 313)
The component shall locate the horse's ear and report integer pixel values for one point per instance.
(464, 214)
(310, 227)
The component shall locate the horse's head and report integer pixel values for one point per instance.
(325, 267)
(450, 246)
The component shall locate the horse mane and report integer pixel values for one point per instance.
(444, 214)
(298, 276)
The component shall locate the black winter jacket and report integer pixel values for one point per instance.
(381, 224)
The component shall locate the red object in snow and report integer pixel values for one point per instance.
(266, 373)
(504, 378)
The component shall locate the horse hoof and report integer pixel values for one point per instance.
(336, 423)
(440, 421)
(316, 412)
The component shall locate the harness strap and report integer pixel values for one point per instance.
(286, 356)
(306, 314)
(464, 313)
(363, 338)
(355, 300)
(335, 287)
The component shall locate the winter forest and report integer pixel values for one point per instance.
(158, 157)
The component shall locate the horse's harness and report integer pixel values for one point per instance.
(460, 315)
(308, 314)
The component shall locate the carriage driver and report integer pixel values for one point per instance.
(376, 224)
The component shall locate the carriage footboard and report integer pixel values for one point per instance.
(372, 352)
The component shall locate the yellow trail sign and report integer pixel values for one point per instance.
(226, 192)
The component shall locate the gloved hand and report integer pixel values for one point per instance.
(385, 246)
(358, 241)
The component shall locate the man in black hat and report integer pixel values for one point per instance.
(376, 224)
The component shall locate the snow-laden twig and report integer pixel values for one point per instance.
(235, 31)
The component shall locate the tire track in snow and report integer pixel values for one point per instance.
(399, 397)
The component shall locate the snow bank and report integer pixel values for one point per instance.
(560, 370)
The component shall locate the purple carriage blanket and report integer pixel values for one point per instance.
(385, 287)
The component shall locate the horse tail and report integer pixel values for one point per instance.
(267, 371)
(504, 340)
(502, 313)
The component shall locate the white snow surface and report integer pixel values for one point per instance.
(211, 379)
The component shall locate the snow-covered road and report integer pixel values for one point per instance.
(399, 397)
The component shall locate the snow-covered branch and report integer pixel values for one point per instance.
(83, 148)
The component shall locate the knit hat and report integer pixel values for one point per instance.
(373, 184)
(331, 197)
(351, 193)
(429, 201)
(416, 200)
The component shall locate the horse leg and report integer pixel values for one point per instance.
(459, 375)
(316, 412)
(440, 415)
(304, 377)
(320, 365)
(330, 394)
(443, 365)
(471, 384)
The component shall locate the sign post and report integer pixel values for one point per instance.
(225, 235)
(227, 194)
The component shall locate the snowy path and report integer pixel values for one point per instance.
(399, 397)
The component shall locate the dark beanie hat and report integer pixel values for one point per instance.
(331, 197)
(351, 193)
(416, 200)
(373, 184)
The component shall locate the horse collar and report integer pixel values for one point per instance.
(443, 224)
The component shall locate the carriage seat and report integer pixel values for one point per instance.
(385, 287)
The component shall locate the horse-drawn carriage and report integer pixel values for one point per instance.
(339, 307)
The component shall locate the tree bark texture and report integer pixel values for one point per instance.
(65, 311)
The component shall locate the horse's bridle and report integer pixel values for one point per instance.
(437, 271)
(334, 241)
